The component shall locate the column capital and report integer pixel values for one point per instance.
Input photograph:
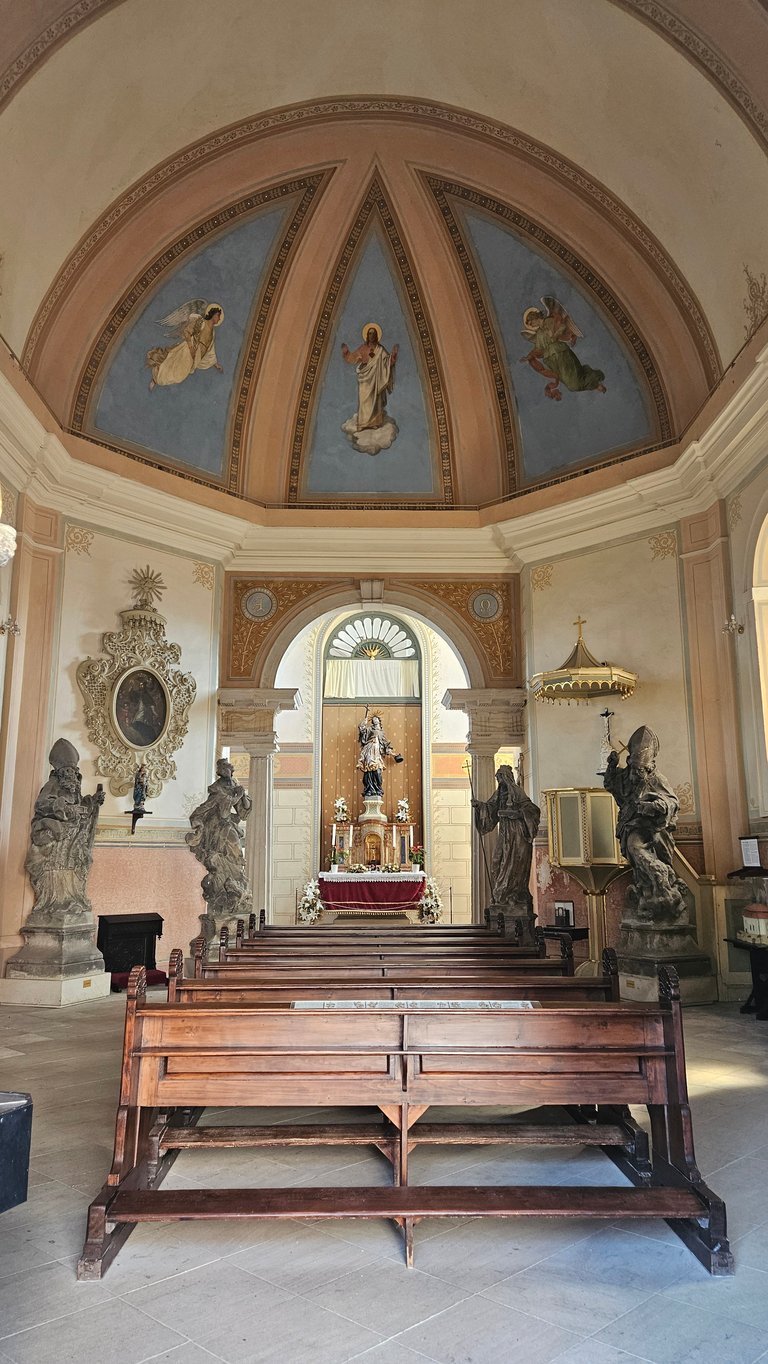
(247, 715)
(495, 716)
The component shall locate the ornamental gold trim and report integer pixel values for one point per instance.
(140, 663)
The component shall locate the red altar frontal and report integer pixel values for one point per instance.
(369, 893)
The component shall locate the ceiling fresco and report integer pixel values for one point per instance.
(446, 293)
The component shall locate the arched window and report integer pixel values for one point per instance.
(373, 658)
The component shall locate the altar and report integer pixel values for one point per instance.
(362, 894)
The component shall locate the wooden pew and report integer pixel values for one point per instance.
(445, 973)
(491, 924)
(593, 1059)
(262, 985)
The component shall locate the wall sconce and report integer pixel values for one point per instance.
(733, 626)
(10, 626)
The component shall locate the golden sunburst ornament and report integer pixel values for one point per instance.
(147, 586)
(371, 650)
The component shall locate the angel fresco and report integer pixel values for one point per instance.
(371, 429)
(554, 333)
(193, 325)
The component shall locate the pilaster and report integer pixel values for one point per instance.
(496, 721)
(26, 707)
(712, 665)
(247, 721)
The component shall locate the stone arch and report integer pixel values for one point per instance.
(445, 622)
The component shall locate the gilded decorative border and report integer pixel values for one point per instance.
(564, 257)
(248, 636)
(308, 187)
(496, 637)
(322, 111)
(374, 201)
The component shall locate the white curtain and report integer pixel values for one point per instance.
(351, 678)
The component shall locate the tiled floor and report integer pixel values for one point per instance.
(312, 1293)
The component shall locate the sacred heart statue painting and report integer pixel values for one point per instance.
(371, 429)
(140, 709)
(190, 330)
(554, 334)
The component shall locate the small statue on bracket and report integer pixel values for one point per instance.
(140, 783)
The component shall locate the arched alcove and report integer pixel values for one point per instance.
(300, 837)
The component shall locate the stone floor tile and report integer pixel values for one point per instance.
(744, 1296)
(114, 1333)
(300, 1257)
(158, 1251)
(37, 1295)
(18, 1251)
(391, 1352)
(388, 1298)
(752, 1248)
(593, 1282)
(743, 1185)
(594, 1352)
(478, 1331)
(185, 1354)
(482, 1253)
(245, 1319)
(671, 1332)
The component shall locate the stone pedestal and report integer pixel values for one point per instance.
(644, 947)
(57, 993)
(58, 964)
(512, 910)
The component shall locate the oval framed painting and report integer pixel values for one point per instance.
(141, 707)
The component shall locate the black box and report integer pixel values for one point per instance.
(15, 1138)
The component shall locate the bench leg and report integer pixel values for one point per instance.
(672, 1142)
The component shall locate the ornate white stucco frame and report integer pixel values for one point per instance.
(140, 644)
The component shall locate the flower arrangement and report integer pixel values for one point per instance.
(341, 810)
(430, 904)
(338, 858)
(403, 815)
(391, 869)
(310, 904)
(357, 867)
(417, 855)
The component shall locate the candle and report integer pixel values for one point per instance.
(333, 836)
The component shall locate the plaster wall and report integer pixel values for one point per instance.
(621, 136)
(629, 594)
(154, 870)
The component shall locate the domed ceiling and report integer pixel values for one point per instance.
(517, 260)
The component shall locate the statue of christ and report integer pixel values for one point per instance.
(371, 429)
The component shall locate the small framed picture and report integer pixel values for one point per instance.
(564, 914)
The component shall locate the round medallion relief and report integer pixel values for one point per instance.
(485, 605)
(258, 604)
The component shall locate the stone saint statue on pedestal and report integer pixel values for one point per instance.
(647, 818)
(59, 932)
(216, 839)
(374, 748)
(517, 819)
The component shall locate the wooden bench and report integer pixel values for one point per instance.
(262, 984)
(593, 1059)
(491, 924)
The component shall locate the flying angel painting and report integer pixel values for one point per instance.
(193, 326)
(554, 333)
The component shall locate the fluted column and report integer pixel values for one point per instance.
(247, 722)
(495, 719)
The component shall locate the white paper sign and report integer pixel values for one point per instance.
(391, 1004)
